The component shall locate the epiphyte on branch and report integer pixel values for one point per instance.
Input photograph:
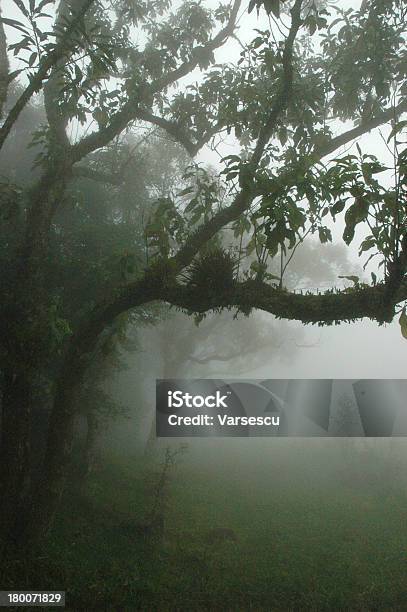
(214, 270)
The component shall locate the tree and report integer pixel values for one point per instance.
(294, 84)
(220, 347)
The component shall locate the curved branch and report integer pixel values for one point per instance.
(366, 302)
(159, 284)
(172, 128)
(329, 308)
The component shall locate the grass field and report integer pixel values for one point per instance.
(317, 527)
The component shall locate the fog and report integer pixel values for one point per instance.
(292, 522)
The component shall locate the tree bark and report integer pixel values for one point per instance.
(44, 501)
(27, 341)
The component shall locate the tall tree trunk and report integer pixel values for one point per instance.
(48, 491)
(56, 468)
(27, 341)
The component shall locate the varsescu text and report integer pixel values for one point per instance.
(224, 419)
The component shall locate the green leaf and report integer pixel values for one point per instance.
(367, 244)
(400, 125)
(33, 58)
(14, 24)
(367, 173)
(338, 207)
(325, 235)
(403, 323)
(257, 42)
(354, 215)
(270, 276)
(43, 3)
(311, 23)
(273, 6)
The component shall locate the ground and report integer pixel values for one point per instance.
(317, 527)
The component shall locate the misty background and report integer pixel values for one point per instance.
(210, 520)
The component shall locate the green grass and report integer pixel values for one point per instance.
(311, 535)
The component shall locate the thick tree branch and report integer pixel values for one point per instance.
(105, 135)
(159, 284)
(45, 66)
(366, 302)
